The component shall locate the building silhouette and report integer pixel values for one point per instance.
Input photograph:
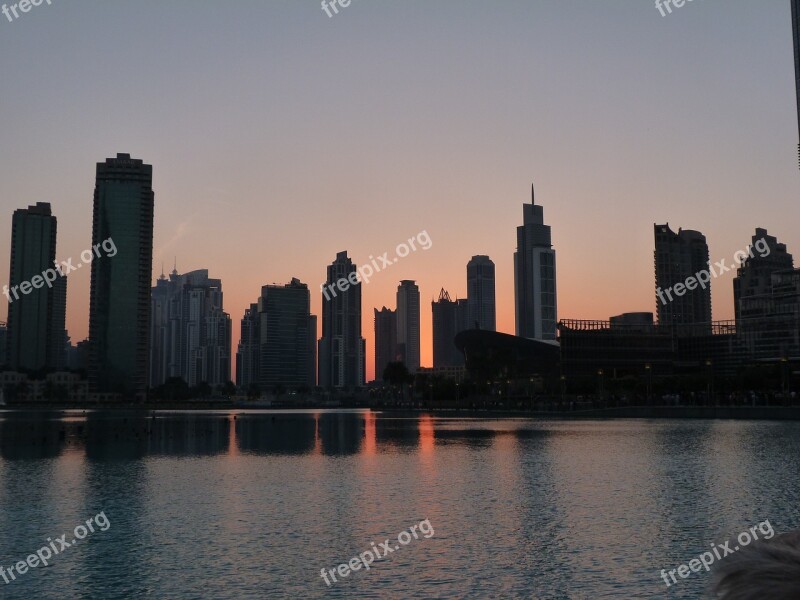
(766, 293)
(678, 257)
(385, 340)
(287, 356)
(342, 350)
(247, 354)
(535, 276)
(3, 344)
(119, 308)
(36, 338)
(408, 345)
(447, 322)
(480, 293)
(796, 37)
(190, 331)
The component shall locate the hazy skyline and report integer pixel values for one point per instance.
(279, 137)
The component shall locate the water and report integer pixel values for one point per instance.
(238, 504)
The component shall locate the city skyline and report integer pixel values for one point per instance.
(213, 196)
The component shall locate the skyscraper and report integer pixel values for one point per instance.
(766, 294)
(287, 356)
(36, 338)
(3, 344)
(408, 324)
(385, 340)
(679, 256)
(446, 325)
(480, 293)
(119, 309)
(796, 36)
(535, 276)
(342, 350)
(247, 354)
(753, 280)
(191, 333)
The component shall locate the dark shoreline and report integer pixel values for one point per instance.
(751, 413)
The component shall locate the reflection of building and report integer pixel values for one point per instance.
(408, 347)
(480, 293)
(535, 276)
(385, 340)
(342, 350)
(288, 333)
(36, 337)
(119, 312)
(445, 327)
(247, 354)
(679, 257)
(191, 333)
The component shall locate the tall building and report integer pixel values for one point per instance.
(385, 340)
(535, 276)
(288, 332)
(766, 293)
(191, 333)
(754, 277)
(679, 256)
(462, 315)
(247, 354)
(3, 343)
(480, 293)
(796, 36)
(408, 348)
(342, 350)
(119, 308)
(445, 313)
(36, 337)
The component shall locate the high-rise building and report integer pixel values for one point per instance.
(288, 332)
(36, 337)
(408, 346)
(385, 340)
(480, 293)
(679, 256)
(754, 277)
(247, 354)
(3, 343)
(462, 315)
(796, 36)
(342, 350)
(119, 309)
(191, 333)
(535, 276)
(446, 325)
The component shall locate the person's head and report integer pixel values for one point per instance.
(767, 570)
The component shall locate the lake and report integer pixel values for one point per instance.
(256, 504)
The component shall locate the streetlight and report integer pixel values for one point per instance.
(710, 391)
(649, 380)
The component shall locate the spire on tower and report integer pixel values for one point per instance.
(533, 195)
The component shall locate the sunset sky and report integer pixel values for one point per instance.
(279, 137)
